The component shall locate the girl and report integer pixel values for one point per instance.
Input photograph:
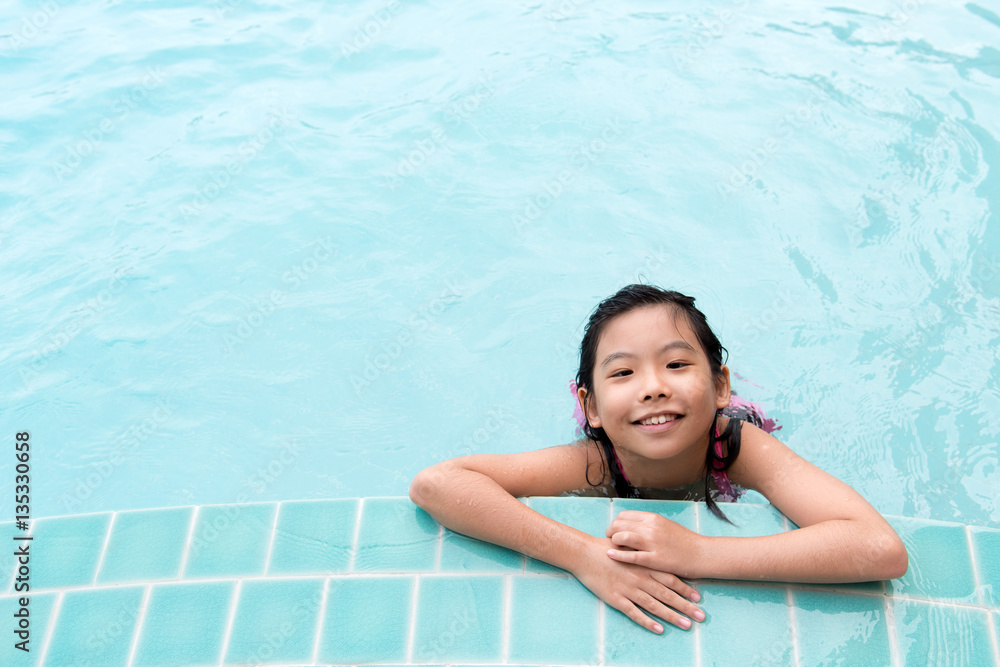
(652, 386)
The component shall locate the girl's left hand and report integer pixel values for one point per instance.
(656, 542)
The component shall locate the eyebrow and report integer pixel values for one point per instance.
(680, 344)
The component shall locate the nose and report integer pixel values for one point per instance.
(657, 385)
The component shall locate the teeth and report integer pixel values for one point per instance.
(662, 419)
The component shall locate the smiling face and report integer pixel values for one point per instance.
(654, 394)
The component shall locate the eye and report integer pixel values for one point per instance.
(676, 365)
(614, 375)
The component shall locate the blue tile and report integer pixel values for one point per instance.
(276, 621)
(95, 626)
(588, 515)
(230, 540)
(39, 617)
(747, 521)
(745, 625)
(838, 629)
(627, 643)
(459, 619)
(678, 511)
(940, 562)
(146, 545)
(357, 605)
(986, 543)
(552, 619)
(395, 536)
(184, 624)
(314, 537)
(72, 550)
(8, 561)
(466, 554)
(932, 634)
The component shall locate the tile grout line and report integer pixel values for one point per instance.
(357, 533)
(792, 621)
(230, 622)
(47, 640)
(890, 626)
(990, 625)
(505, 637)
(440, 548)
(321, 618)
(270, 544)
(308, 575)
(138, 624)
(188, 541)
(975, 567)
(697, 626)
(793, 626)
(412, 631)
(104, 548)
(602, 624)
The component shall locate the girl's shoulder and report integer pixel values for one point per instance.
(542, 472)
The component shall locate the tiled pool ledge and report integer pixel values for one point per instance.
(378, 581)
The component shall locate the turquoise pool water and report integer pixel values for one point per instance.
(258, 252)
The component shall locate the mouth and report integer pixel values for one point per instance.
(658, 423)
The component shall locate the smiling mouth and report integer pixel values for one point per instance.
(657, 420)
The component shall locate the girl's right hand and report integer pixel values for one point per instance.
(633, 588)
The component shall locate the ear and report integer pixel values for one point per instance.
(591, 414)
(722, 389)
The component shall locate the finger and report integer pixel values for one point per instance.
(676, 584)
(629, 539)
(671, 597)
(619, 525)
(655, 607)
(626, 607)
(626, 555)
(634, 515)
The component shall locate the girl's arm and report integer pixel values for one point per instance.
(476, 496)
(841, 538)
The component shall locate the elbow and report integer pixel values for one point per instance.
(893, 559)
(426, 486)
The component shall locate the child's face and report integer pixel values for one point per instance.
(649, 362)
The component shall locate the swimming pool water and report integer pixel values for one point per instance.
(261, 252)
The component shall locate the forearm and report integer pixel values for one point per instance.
(473, 504)
(834, 551)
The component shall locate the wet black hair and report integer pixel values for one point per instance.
(630, 298)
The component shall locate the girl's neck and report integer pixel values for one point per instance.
(682, 470)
